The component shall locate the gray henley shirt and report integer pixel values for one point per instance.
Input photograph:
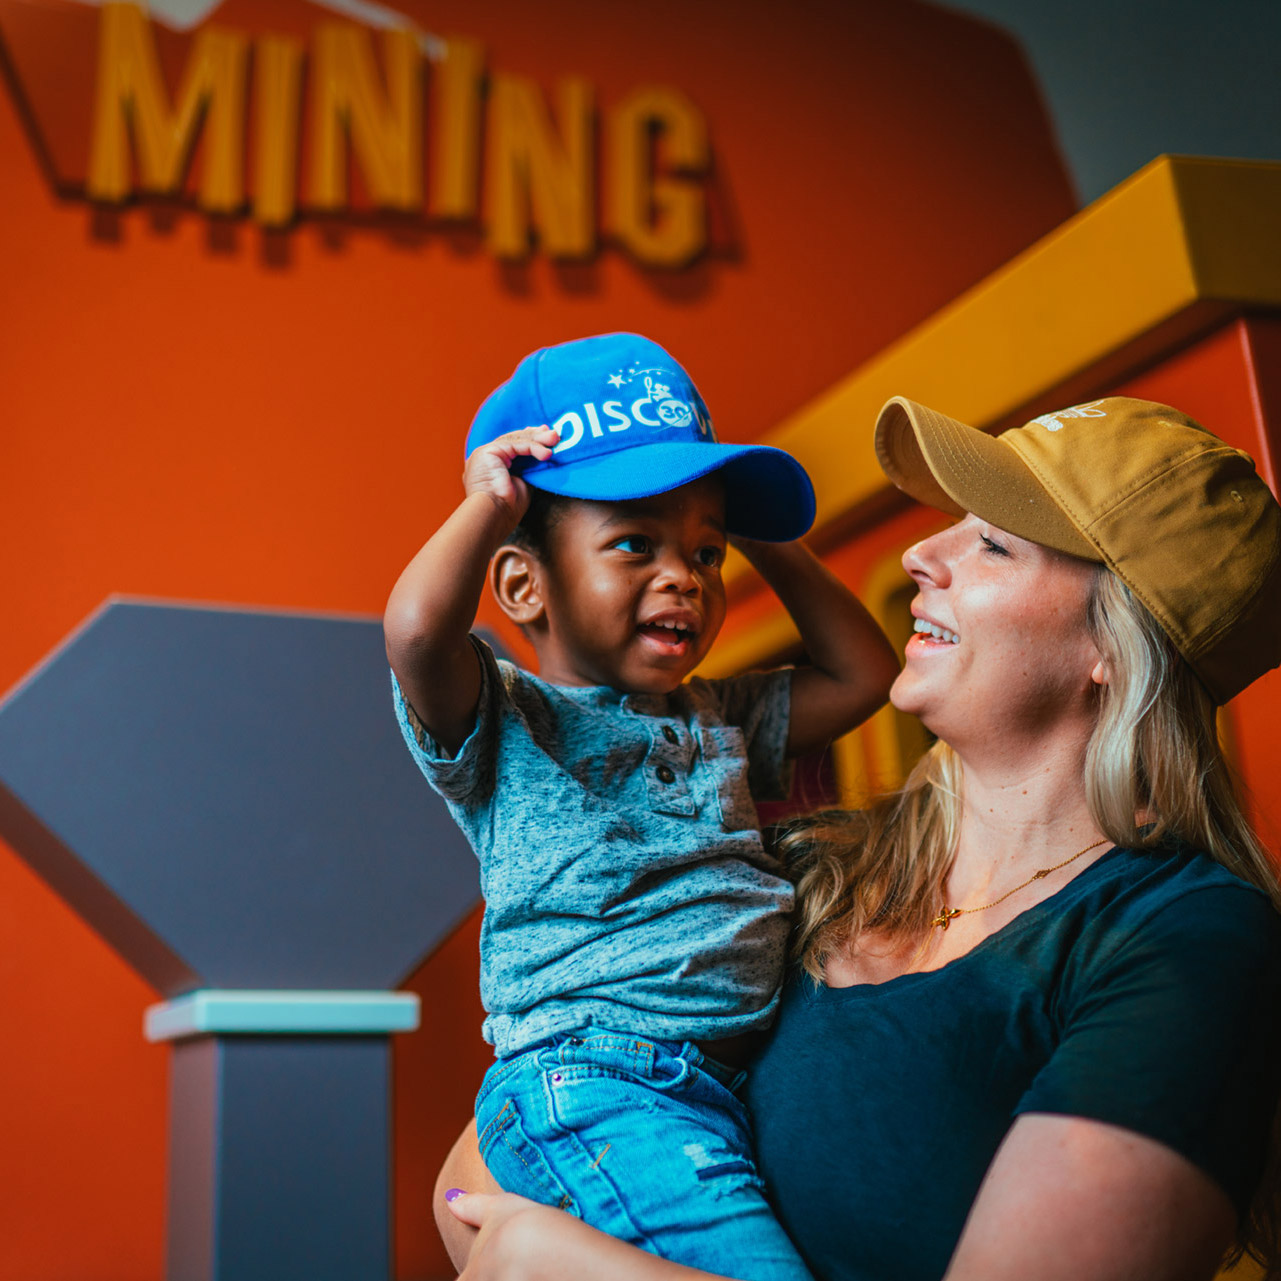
(625, 883)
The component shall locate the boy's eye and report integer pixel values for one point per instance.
(636, 544)
(992, 546)
(710, 556)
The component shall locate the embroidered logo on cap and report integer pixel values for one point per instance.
(1090, 410)
(645, 399)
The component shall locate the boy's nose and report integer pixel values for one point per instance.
(676, 574)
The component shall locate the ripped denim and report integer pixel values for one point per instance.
(643, 1139)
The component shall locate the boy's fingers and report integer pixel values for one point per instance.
(536, 435)
(508, 449)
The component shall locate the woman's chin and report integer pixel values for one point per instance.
(905, 694)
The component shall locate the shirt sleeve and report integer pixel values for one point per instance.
(467, 777)
(759, 704)
(1174, 1035)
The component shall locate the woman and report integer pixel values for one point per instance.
(1037, 1035)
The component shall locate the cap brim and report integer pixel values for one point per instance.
(768, 494)
(958, 469)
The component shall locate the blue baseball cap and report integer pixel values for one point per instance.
(632, 424)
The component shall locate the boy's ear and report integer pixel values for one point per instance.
(514, 579)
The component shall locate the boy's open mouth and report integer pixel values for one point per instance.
(668, 633)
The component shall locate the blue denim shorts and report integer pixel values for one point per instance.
(643, 1139)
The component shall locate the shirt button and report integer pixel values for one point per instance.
(670, 734)
(665, 774)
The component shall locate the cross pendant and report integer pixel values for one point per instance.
(944, 918)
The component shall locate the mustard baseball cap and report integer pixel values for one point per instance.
(1184, 520)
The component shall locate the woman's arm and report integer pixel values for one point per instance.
(463, 1168)
(1068, 1199)
(494, 1236)
(519, 1240)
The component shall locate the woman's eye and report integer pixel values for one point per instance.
(710, 556)
(994, 547)
(636, 544)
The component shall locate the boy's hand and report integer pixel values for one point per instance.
(488, 470)
(748, 545)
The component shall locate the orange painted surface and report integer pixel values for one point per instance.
(197, 411)
(1257, 713)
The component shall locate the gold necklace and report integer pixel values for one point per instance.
(944, 918)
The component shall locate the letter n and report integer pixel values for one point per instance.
(386, 128)
(131, 91)
(534, 176)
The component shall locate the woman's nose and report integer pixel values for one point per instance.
(926, 561)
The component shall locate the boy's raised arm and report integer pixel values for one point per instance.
(433, 604)
(851, 663)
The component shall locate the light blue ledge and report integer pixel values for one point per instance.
(214, 1011)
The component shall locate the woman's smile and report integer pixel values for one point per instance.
(926, 632)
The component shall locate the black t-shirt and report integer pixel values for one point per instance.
(1144, 994)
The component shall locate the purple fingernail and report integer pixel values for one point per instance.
(454, 1193)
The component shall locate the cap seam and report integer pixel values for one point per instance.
(1125, 495)
(1053, 490)
(1153, 474)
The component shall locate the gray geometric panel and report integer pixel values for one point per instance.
(234, 786)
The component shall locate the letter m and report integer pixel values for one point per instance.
(131, 99)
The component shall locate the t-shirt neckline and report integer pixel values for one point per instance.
(1017, 925)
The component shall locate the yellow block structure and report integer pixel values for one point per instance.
(1176, 249)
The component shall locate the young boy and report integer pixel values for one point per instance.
(635, 927)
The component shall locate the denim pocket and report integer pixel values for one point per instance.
(518, 1164)
(600, 1078)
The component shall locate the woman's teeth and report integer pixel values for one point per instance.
(939, 633)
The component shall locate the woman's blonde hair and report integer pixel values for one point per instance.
(1155, 775)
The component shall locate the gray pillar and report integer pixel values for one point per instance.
(278, 1159)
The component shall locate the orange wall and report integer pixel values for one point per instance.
(189, 415)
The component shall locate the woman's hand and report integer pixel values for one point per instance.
(519, 1240)
(514, 1238)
